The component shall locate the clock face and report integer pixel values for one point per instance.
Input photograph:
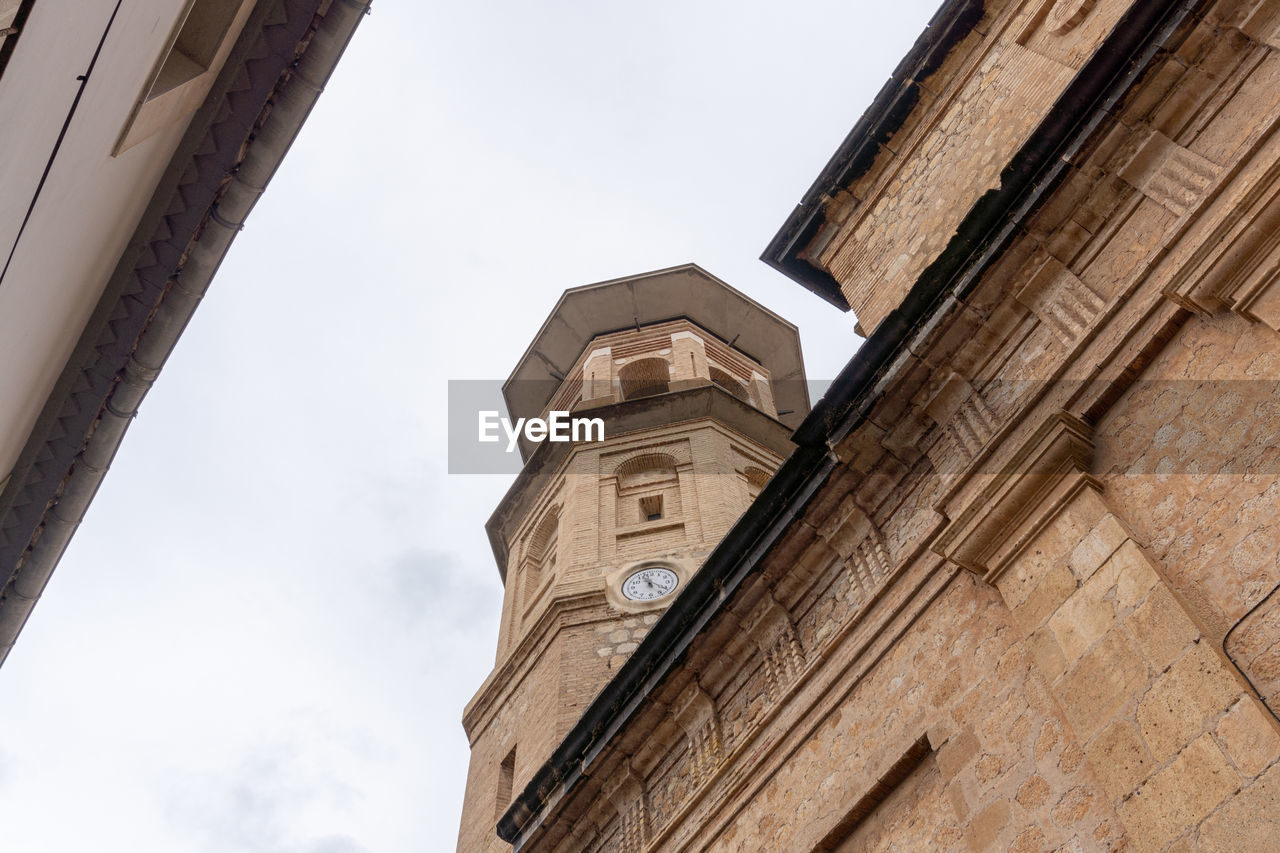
(648, 584)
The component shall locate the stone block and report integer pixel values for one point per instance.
(1180, 796)
(1082, 620)
(984, 830)
(1162, 628)
(1249, 822)
(1250, 736)
(1105, 678)
(957, 752)
(1185, 700)
(1029, 840)
(1119, 759)
(1074, 805)
(1033, 793)
(1097, 546)
(1051, 546)
(1055, 587)
(1131, 573)
(1047, 654)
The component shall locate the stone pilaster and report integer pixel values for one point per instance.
(1151, 699)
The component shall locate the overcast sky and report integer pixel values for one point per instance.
(263, 635)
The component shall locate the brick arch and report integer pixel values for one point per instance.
(543, 535)
(643, 465)
(644, 377)
(730, 383)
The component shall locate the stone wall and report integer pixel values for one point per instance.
(1035, 607)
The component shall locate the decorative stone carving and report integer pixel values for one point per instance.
(1044, 472)
(1170, 175)
(966, 420)
(1235, 263)
(1061, 301)
(771, 626)
(1066, 15)
(627, 794)
(695, 711)
(868, 566)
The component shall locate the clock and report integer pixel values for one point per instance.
(648, 584)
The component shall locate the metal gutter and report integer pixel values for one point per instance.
(237, 140)
(1147, 29)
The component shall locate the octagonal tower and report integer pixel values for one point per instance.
(698, 388)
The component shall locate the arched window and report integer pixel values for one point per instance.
(540, 553)
(644, 377)
(756, 478)
(646, 468)
(648, 488)
(730, 384)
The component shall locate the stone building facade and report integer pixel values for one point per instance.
(1017, 587)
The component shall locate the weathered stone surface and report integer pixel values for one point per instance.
(1179, 796)
(1162, 628)
(1104, 680)
(1251, 821)
(1251, 736)
(1181, 702)
(1120, 759)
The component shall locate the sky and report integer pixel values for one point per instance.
(264, 633)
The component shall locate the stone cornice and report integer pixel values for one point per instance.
(1012, 506)
(584, 605)
(664, 411)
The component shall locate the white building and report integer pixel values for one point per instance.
(137, 136)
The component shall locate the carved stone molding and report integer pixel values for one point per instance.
(1004, 516)
(965, 419)
(1061, 301)
(846, 527)
(695, 711)
(1235, 263)
(775, 633)
(1263, 23)
(626, 792)
(1170, 175)
(868, 566)
(1066, 15)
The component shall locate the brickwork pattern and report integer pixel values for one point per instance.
(562, 639)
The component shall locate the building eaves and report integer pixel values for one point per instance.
(1145, 32)
(856, 154)
(233, 146)
(680, 292)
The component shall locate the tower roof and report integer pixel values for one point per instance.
(686, 291)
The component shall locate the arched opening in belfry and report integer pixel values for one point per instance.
(730, 384)
(644, 377)
(540, 553)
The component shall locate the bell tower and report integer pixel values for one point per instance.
(698, 389)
